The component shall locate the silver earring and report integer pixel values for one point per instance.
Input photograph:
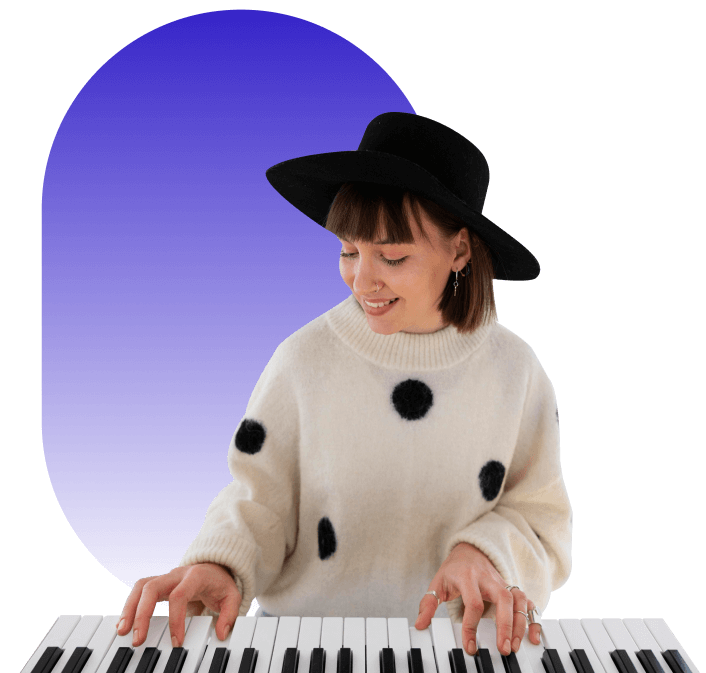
(377, 289)
(467, 270)
(455, 283)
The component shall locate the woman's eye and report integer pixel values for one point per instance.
(390, 262)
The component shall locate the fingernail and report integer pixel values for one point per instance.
(174, 641)
(121, 625)
(471, 647)
(516, 644)
(506, 646)
(135, 636)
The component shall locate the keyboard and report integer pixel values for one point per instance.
(90, 644)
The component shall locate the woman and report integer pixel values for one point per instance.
(401, 436)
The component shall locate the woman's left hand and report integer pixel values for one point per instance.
(467, 572)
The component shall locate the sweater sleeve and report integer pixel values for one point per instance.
(527, 535)
(251, 525)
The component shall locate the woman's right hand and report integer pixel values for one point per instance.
(208, 583)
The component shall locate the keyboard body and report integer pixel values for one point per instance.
(90, 644)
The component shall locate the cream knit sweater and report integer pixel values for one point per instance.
(363, 458)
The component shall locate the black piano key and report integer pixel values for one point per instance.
(345, 660)
(552, 662)
(414, 660)
(622, 661)
(77, 660)
(247, 663)
(387, 660)
(220, 660)
(317, 663)
(291, 660)
(676, 661)
(176, 660)
(457, 660)
(48, 660)
(148, 660)
(649, 661)
(484, 663)
(581, 662)
(120, 660)
(510, 663)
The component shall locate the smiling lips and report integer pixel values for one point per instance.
(379, 304)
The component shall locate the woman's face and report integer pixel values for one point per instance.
(416, 282)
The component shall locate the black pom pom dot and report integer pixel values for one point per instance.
(250, 436)
(327, 539)
(412, 399)
(491, 479)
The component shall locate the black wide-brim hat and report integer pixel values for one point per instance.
(417, 154)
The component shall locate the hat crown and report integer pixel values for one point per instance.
(452, 159)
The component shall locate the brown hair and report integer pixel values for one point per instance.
(355, 216)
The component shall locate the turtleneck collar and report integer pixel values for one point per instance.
(402, 350)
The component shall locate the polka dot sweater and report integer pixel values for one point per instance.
(362, 459)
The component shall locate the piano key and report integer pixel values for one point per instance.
(217, 661)
(248, 661)
(354, 639)
(331, 642)
(56, 637)
(601, 643)
(120, 660)
(317, 662)
(622, 661)
(387, 660)
(290, 661)
(484, 664)
(622, 640)
(100, 643)
(375, 640)
(458, 637)
(344, 664)
(421, 640)
(488, 637)
(77, 660)
(48, 660)
(240, 638)
(80, 636)
(195, 640)
(398, 639)
(578, 640)
(554, 639)
(177, 658)
(518, 660)
(581, 662)
(263, 641)
(148, 660)
(287, 636)
(164, 646)
(653, 639)
(442, 635)
(552, 661)
(457, 661)
(414, 660)
(676, 661)
(309, 638)
(667, 641)
(533, 655)
(155, 631)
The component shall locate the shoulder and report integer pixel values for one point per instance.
(508, 345)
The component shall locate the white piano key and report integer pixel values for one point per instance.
(115, 645)
(622, 640)
(213, 644)
(164, 647)
(554, 639)
(56, 637)
(398, 639)
(487, 638)
(645, 640)
(422, 640)
(309, 638)
(667, 641)
(287, 636)
(601, 642)
(354, 638)
(578, 640)
(533, 654)
(375, 640)
(331, 641)
(101, 642)
(79, 637)
(195, 641)
(458, 636)
(442, 635)
(263, 641)
(155, 631)
(240, 638)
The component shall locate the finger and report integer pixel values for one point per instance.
(504, 618)
(519, 624)
(128, 613)
(188, 589)
(427, 608)
(473, 608)
(534, 630)
(228, 614)
(156, 589)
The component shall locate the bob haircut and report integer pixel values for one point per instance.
(355, 215)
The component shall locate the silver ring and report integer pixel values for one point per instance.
(524, 614)
(532, 618)
(438, 600)
(510, 588)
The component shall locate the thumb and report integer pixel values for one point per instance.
(230, 606)
(428, 606)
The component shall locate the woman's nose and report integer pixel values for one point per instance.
(364, 276)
